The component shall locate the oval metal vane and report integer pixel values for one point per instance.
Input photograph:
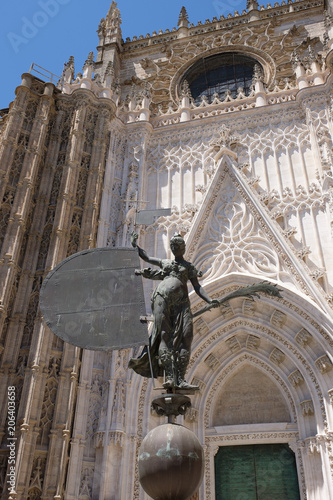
(93, 300)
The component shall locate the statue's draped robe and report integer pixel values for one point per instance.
(171, 313)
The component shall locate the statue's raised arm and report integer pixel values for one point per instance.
(142, 253)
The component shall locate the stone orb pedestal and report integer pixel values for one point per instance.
(171, 463)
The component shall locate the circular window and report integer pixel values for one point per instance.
(220, 75)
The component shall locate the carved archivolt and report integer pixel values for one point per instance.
(232, 367)
(280, 341)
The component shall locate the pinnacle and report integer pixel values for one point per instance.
(183, 18)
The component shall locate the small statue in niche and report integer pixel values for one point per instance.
(171, 339)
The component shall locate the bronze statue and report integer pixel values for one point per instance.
(171, 339)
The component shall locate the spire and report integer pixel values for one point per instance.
(112, 23)
(183, 18)
(68, 71)
(89, 66)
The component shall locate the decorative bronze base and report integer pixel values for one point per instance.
(170, 405)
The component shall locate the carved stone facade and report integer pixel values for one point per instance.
(249, 181)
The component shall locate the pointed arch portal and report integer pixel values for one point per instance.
(262, 384)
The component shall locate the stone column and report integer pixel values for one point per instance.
(12, 130)
(95, 180)
(301, 78)
(21, 208)
(259, 88)
(185, 111)
(79, 430)
(61, 423)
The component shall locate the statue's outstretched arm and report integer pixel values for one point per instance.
(201, 292)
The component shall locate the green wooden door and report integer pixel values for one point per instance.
(256, 472)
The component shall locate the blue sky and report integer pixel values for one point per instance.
(48, 32)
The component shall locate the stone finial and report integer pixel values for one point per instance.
(183, 18)
(185, 90)
(101, 31)
(258, 75)
(70, 63)
(253, 10)
(89, 66)
(68, 71)
(252, 5)
(226, 139)
(89, 61)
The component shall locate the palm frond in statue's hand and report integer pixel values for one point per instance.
(248, 291)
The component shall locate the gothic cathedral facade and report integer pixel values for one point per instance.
(229, 123)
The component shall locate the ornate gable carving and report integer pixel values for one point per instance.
(234, 232)
(240, 244)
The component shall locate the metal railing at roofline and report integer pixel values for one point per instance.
(50, 77)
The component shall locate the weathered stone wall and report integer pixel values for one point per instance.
(54, 151)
